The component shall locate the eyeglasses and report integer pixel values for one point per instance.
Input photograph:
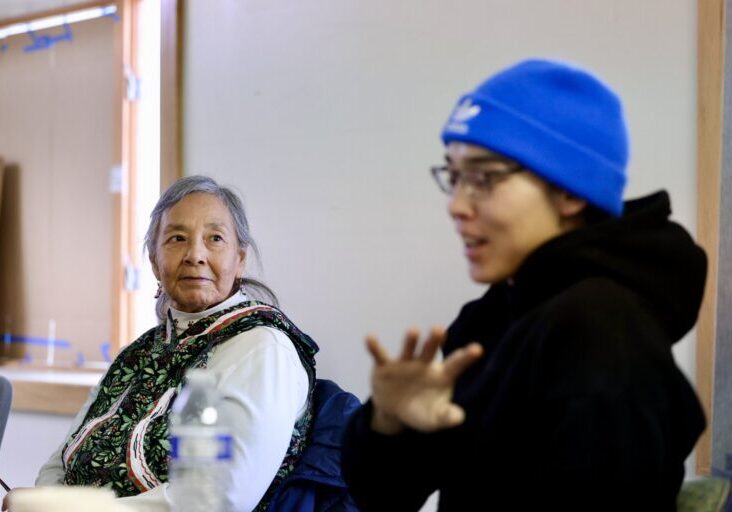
(476, 183)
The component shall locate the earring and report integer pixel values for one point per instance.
(159, 292)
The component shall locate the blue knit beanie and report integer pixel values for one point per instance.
(559, 121)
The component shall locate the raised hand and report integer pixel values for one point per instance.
(414, 390)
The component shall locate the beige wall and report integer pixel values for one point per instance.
(15, 8)
(57, 135)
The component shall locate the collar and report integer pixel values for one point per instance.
(183, 319)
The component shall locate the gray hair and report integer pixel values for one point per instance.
(190, 185)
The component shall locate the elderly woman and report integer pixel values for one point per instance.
(198, 242)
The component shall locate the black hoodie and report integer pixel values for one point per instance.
(577, 403)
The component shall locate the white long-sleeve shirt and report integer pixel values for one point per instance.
(264, 387)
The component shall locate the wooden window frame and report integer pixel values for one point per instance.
(124, 201)
(171, 85)
(710, 103)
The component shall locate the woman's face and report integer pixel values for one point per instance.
(198, 254)
(500, 227)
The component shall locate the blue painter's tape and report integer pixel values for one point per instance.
(31, 340)
(42, 42)
(105, 348)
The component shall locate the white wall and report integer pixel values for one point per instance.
(325, 114)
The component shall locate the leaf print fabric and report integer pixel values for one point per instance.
(123, 443)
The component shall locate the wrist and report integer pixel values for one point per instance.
(385, 424)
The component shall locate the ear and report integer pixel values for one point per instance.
(567, 205)
(242, 260)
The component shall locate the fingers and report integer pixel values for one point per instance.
(435, 339)
(378, 353)
(457, 362)
(410, 343)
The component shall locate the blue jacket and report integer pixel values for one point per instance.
(316, 485)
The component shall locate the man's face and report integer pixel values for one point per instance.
(501, 224)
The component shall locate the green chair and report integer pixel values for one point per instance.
(703, 495)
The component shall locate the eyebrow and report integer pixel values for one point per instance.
(217, 225)
(210, 225)
(482, 159)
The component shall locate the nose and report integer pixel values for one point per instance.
(461, 206)
(196, 252)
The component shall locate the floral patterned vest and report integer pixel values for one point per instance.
(123, 441)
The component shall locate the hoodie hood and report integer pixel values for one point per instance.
(643, 250)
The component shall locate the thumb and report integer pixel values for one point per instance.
(451, 415)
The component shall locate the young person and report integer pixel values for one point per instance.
(558, 389)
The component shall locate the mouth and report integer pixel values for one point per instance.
(194, 279)
(473, 246)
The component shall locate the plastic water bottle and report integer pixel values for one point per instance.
(201, 450)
